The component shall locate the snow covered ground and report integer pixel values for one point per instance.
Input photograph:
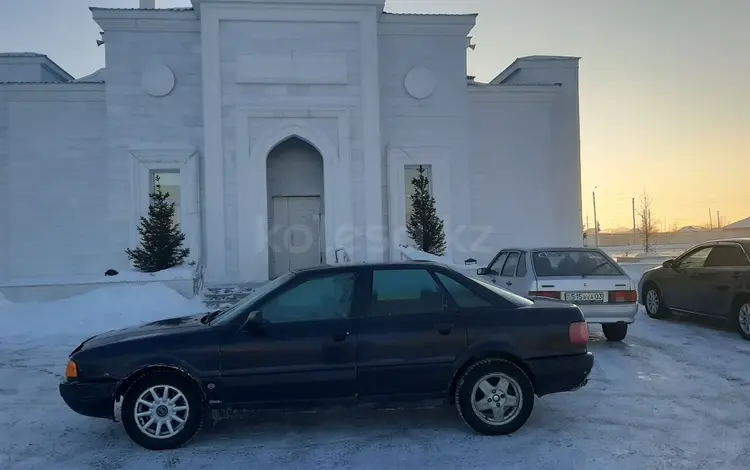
(665, 251)
(675, 394)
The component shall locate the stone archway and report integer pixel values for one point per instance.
(295, 194)
(252, 194)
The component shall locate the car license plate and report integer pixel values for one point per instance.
(591, 297)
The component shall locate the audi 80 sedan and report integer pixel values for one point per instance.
(346, 334)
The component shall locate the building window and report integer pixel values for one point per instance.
(169, 180)
(410, 173)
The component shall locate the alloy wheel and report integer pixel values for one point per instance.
(161, 411)
(652, 301)
(743, 318)
(496, 398)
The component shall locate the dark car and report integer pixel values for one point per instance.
(387, 333)
(712, 279)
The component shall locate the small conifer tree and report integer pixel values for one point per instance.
(161, 238)
(424, 226)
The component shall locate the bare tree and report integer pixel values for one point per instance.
(647, 224)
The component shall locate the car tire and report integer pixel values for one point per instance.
(741, 317)
(654, 303)
(494, 397)
(615, 331)
(175, 417)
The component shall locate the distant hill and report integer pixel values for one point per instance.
(618, 230)
(692, 228)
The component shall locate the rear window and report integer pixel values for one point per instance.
(572, 263)
(514, 299)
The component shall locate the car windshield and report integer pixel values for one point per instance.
(507, 295)
(256, 294)
(573, 263)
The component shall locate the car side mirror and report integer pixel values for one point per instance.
(668, 263)
(253, 321)
(482, 271)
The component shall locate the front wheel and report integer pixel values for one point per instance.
(162, 410)
(741, 316)
(615, 331)
(494, 396)
(655, 307)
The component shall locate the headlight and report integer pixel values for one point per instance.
(71, 371)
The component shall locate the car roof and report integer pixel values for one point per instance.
(552, 248)
(744, 241)
(383, 264)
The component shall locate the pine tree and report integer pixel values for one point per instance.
(424, 226)
(161, 239)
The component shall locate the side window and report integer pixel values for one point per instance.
(462, 295)
(726, 255)
(509, 270)
(169, 181)
(521, 271)
(497, 265)
(696, 259)
(412, 173)
(319, 298)
(404, 292)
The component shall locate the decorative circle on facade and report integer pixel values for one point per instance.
(157, 80)
(419, 83)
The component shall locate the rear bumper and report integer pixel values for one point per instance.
(561, 374)
(609, 313)
(89, 399)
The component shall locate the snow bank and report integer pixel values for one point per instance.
(103, 309)
(129, 275)
(171, 274)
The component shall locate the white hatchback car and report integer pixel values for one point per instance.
(587, 277)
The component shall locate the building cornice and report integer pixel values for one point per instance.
(41, 60)
(426, 25)
(52, 92)
(514, 93)
(380, 4)
(163, 155)
(146, 20)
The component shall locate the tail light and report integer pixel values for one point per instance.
(71, 371)
(545, 293)
(623, 297)
(578, 333)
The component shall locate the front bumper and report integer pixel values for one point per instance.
(89, 399)
(561, 374)
(609, 313)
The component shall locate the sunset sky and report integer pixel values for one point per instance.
(665, 86)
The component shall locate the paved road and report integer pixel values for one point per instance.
(675, 394)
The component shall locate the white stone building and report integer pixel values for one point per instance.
(260, 116)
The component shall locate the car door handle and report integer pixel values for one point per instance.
(444, 328)
(340, 336)
(508, 283)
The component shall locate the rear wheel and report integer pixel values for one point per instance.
(741, 317)
(162, 410)
(655, 306)
(615, 331)
(494, 396)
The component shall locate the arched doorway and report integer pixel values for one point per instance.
(294, 183)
